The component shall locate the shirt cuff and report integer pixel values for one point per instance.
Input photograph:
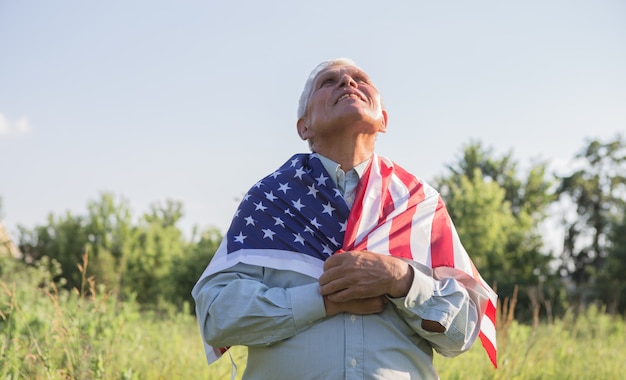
(307, 304)
(419, 298)
(422, 289)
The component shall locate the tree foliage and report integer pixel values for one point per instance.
(148, 260)
(597, 192)
(497, 211)
(156, 242)
(611, 279)
(64, 239)
(186, 270)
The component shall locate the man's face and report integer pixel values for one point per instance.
(342, 96)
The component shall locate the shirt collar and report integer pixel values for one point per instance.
(332, 167)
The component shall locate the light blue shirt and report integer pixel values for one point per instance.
(280, 316)
(345, 182)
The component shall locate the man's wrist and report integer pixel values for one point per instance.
(401, 286)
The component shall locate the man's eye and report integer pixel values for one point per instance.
(327, 81)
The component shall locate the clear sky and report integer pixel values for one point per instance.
(196, 100)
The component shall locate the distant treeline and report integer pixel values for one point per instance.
(497, 208)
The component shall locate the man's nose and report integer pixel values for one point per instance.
(346, 80)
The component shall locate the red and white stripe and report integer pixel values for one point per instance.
(410, 220)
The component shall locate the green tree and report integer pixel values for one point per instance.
(63, 239)
(597, 193)
(497, 215)
(483, 220)
(611, 280)
(108, 227)
(155, 243)
(186, 269)
(103, 233)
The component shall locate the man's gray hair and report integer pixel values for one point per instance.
(308, 86)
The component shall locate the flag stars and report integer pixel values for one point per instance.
(279, 222)
(337, 193)
(343, 226)
(284, 187)
(258, 184)
(275, 174)
(268, 234)
(260, 206)
(321, 180)
(309, 230)
(289, 212)
(249, 220)
(328, 209)
(326, 249)
(315, 223)
(312, 191)
(240, 238)
(334, 241)
(294, 162)
(299, 173)
(297, 204)
(298, 239)
(270, 196)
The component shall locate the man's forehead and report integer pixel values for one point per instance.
(341, 69)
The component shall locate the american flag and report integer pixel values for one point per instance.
(295, 218)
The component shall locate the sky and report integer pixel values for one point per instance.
(195, 101)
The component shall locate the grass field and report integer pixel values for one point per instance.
(51, 334)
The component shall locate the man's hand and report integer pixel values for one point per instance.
(358, 275)
(358, 282)
(361, 306)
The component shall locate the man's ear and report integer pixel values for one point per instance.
(303, 129)
(383, 122)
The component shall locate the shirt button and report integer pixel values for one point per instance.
(412, 304)
(353, 318)
(353, 362)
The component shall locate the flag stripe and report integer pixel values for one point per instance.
(387, 204)
(402, 225)
(442, 252)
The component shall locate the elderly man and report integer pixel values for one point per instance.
(341, 264)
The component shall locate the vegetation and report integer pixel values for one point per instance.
(582, 347)
(104, 296)
(50, 333)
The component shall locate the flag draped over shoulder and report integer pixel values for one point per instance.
(295, 218)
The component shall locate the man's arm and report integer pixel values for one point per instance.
(235, 307)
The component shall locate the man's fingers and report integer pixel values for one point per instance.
(371, 305)
(334, 261)
(329, 276)
(333, 280)
(349, 293)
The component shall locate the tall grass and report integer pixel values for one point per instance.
(47, 333)
(585, 347)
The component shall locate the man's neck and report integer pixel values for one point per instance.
(348, 155)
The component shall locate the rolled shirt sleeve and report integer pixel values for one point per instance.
(445, 301)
